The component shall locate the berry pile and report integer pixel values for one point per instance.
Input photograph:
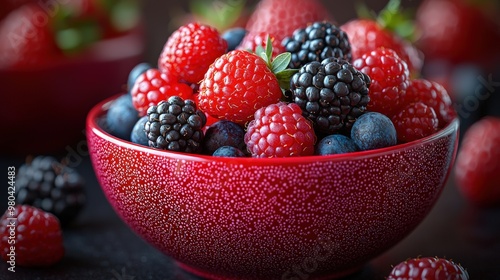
(300, 87)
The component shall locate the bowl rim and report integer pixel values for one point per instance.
(101, 108)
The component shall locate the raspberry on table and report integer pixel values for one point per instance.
(47, 184)
(373, 130)
(389, 76)
(429, 268)
(175, 125)
(317, 42)
(190, 50)
(332, 93)
(38, 239)
(416, 121)
(280, 130)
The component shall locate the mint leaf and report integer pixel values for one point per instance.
(281, 62)
(285, 76)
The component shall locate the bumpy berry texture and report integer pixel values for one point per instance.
(233, 37)
(254, 39)
(47, 184)
(282, 19)
(335, 144)
(317, 42)
(373, 131)
(37, 236)
(153, 86)
(138, 135)
(190, 50)
(121, 117)
(428, 268)
(236, 85)
(280, 130)
(175, 125)
(478, 165)
(136, 72)
(333, 94)
(389, 79)
(228, 151)
(223, 133)
(433, 95)
(416, 121)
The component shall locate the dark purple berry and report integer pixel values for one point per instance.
(372, 131)
(138, 134)
(233, 37)
(136, 72)
(223, 133)
(335, 144)
(121, 117)
(228, 151)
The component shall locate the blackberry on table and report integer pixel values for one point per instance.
(331, 93)
(175, 125)
(317, 42)
(51, 186)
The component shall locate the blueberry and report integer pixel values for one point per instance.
(228, 151)
(138, 134)
(372, 131)
(223, 133)
(233, 37)
(136, 72)
(121, 117)
(335, 144)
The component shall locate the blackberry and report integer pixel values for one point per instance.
(49, 185)
(317, 42)
(331, 93)
(175, 125)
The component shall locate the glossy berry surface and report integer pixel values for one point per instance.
(236, 85)
(233, 37)
(389, 79)
(228, 151)
(373, 131)
(122, 117)
(138, 135)
(280, 130)
(136, 72)
(38, 239)
(428, 268)
(478, 165)
(223, 133)
(153, 86)
(190, 50)
(47, 184)
(416, 121)
(335, 144)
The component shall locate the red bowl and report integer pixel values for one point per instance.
(284, 218)
(44, 109)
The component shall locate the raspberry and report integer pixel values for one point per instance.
(154, 86)
(49, 185)
(37, 235)
(317, 42)
(280, 130)
(254, 39)
(190, 50)
(416, 121)
(175, 125)
(333, 94)
(236, 85)
(433, 95)
(389, 76)
(428, 268)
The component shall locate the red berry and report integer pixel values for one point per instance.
(428, 268)
(236, 85)
(416, 121)
(478, 163)
(34, 234)
(254, 39)
(433, 95)
(280, 130)
(367, 35)
(389, 79)
(190, 50)
(154, 86)
(281, 19)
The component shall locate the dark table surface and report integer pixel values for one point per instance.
(100, 246)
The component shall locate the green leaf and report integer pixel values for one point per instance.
(220, 14)
(284, 77)
(281, 62)
(269, 47)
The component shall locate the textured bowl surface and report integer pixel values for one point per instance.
(44, 109)
(226, 218)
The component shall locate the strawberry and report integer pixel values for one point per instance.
(26, 38)
(240, 82)
(190, 50)
(478, 165)
(366, 35)
(429, 269)
(281, 19)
